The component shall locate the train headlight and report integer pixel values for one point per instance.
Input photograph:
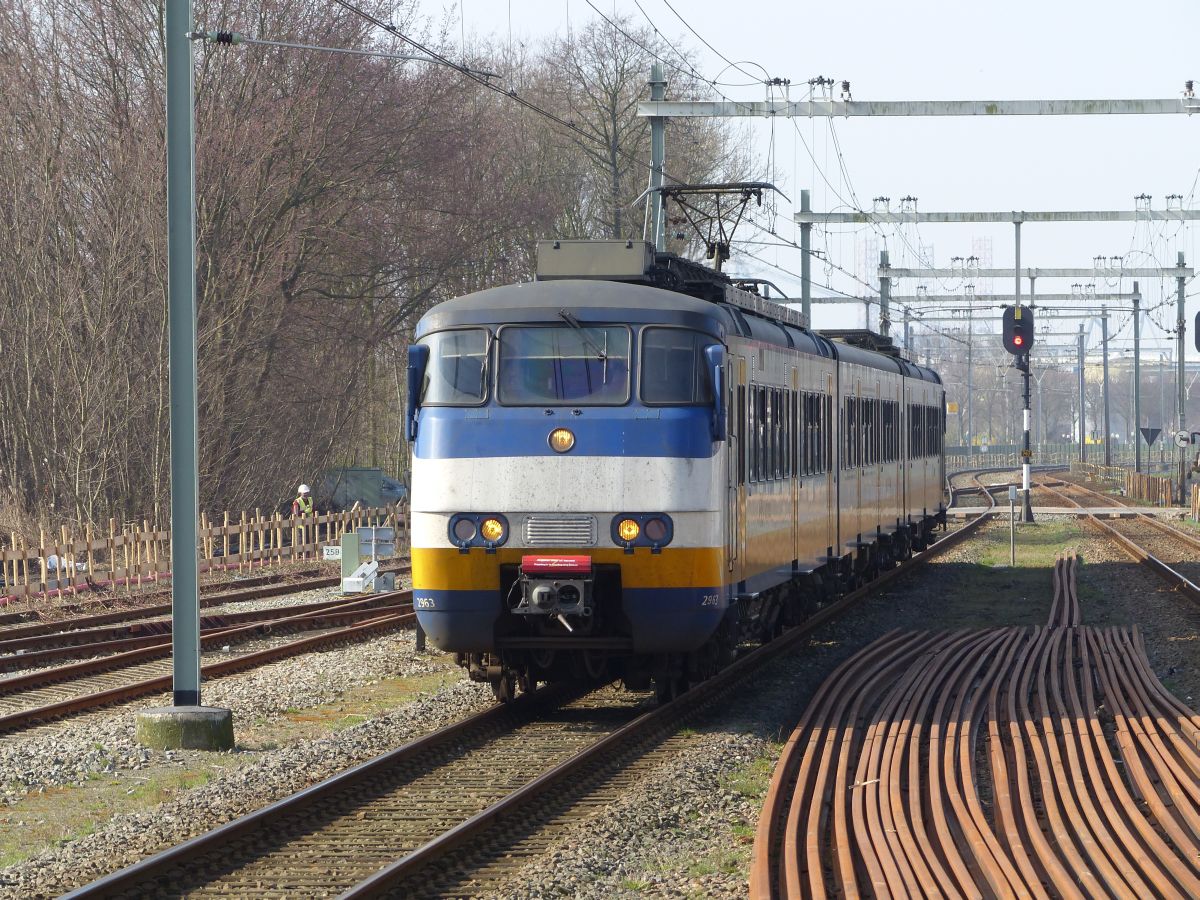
(656, 530)
(561, 440)
(464, 530)
(653, 529)
(491, 530)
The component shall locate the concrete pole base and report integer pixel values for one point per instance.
(185, 728)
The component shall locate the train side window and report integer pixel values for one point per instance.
(752, 433)
(780, 433)
(828, 429)
(847, 443)
(763, 435)
(743, 434)
(806, 425)
(889, 429)
(772, 434)
(793, 433)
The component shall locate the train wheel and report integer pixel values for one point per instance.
(666, 688)
(504, 689)
(595, 663)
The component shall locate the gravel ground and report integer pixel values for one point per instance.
(103, 742)
(64, 755)
(686, 830)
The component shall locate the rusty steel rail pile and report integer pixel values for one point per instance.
(1045, 762)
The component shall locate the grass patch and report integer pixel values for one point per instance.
(61, 815)
(750, 780)
(357, 704)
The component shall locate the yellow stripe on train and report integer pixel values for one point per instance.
(446, 569)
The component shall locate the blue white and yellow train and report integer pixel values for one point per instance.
(630, 466)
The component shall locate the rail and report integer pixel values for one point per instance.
(884, 787)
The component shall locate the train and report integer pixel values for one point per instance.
(634, 465)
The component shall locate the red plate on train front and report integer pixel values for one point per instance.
(556, 565)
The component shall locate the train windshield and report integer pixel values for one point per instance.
(457, 371)
(673, 367)
(583, 365)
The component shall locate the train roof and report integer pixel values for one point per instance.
(596, 279)
(540, 301)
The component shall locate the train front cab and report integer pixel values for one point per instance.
(553, 440)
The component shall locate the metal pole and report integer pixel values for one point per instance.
(181, 317)
(1038, 420)
(806, 261)
(907, 331)
(1026, 451)
(1082, 408)
(658, 157)
(1180, 374)
(970, 380)
(1104, 357)
(885, 291)
(1137, 379)
(1162, 407)
(1012, 526)
(1017, 263)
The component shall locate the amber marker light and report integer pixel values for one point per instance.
(491, 530)
(561, 440)
(628, 530)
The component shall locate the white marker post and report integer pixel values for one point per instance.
(1012, 523)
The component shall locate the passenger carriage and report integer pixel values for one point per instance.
(633, 471)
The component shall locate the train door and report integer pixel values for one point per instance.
(877, 442)
(857, 454)
(736, 536)
(831, 441)
(791, 410)
(902, 449)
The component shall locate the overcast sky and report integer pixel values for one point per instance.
(926, 49)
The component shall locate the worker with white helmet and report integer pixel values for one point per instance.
(303, 504)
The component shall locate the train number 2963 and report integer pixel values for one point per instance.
(423, 602)
(710, 600)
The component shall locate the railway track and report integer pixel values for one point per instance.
(1000, 762)
(53, 693)
(494, 788)
(71, 629)
(105, 597)
(39, 650)
(1170, 552)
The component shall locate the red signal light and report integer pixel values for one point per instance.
(1018, 341)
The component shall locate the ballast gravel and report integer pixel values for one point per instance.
(125, 839)
(104, 742)
(684, 830)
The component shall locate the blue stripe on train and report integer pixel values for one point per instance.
(664, 620)
(456, 433)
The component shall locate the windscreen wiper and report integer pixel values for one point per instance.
(574, 323)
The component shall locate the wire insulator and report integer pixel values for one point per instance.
(224, 37)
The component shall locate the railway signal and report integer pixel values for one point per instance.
(1018, 329)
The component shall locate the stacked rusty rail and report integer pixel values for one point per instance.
(999, 762)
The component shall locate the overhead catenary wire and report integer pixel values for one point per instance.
(491, 85)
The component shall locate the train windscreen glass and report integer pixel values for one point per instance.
(457, 371)
(673, 367)
(585, 365)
